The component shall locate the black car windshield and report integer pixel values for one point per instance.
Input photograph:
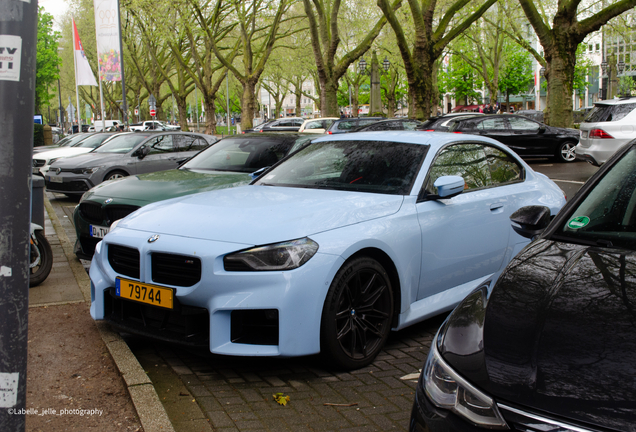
(244, 154)
(607, 215)
(75, 139)
(122, 143)
(94, 141)
(363, 166)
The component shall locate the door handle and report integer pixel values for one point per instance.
(497, 207)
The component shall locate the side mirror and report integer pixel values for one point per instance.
(258, 172)
(448, 187)
(530, 221)
(142, 152)
(542, 129)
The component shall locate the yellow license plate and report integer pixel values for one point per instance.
(144, 293)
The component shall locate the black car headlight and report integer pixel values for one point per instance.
(279, 256)
(447, 390)
(90, 170)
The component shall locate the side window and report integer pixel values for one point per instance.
(491, 124)
(297, 123)
(410, 125)
(503, 168)
(518, 123)
(314, 125)
(465, 160)
(161, 144)
(346, 125)
(190, 142)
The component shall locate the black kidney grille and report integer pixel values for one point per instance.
(177, 270)
(116, 212)
(91, 212)
(124, 260)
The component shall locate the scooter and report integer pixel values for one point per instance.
(40, 256)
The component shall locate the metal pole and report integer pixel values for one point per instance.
(123, 81)
(18, 38)
(227, 97)
(196, 106)
(59, 95)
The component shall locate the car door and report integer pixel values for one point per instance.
(527, 139)
(494, 127)
(162, 155)
(464, 238)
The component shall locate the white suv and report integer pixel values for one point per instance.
(608, 127)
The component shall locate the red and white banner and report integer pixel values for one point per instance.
(107, 33)
(83, 73)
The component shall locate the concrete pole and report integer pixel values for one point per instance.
(17, 103)
(375, 99)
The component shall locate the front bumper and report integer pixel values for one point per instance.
(297, 296)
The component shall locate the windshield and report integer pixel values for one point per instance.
(243, 154)
(94, 141)
(364, 166)
(74, 140)
(122, 143)
(607, 215)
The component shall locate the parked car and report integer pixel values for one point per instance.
(42, 161)
(327, 251)
(344, 125)
(128, 153)
(608, 127)
(152, 125)
(389, 124)
(526, 137)
(317, 125)
(228, 163)
(67, 141)
(288, 124)
(441, 123)
(579, 115)
(552, 347)
(535, 115)
(105, 125)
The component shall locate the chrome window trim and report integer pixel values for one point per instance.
(564, 426)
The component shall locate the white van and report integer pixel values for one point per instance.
(99, 125)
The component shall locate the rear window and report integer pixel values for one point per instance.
(609, 113)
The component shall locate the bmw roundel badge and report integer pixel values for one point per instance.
(153, 238)
(108, 201)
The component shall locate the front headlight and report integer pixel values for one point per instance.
(90, 170)
(51, 161)
(114, 225)
(280, 256)
(447, 390)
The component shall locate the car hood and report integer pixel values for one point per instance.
(147, 188)
(90, 160)
(560, 333)
(253, 215)
(62, 152)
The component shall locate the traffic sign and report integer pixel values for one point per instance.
(153, 112)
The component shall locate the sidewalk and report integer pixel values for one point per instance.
(80, 374)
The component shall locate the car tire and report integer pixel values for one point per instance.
(117, 174)
(357, 314)
(565, 152)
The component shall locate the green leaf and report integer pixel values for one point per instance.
(281, 399)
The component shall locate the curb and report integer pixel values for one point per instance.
(152, 415)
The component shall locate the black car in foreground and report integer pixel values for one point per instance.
(528, 138)
(552, 347)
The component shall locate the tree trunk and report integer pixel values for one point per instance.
(355, 100)
(210, 116)
(248, 104)
(182, 106)
(329, 94)
(560, 75)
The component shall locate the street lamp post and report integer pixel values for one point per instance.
(375, 99)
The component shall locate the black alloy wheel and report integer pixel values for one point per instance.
(356, 318)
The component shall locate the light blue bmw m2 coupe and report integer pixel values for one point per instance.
(326, 252)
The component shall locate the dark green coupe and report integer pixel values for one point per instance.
(228, 163)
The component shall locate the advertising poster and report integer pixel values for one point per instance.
(107, 32)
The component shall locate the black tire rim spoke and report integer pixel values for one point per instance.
(362, 313)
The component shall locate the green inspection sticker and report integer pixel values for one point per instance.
(579, 222)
